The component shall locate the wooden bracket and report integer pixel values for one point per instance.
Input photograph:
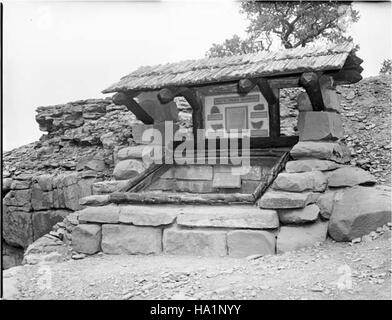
(310, 81)
(168, 94)
(127, 99)
(272, 97)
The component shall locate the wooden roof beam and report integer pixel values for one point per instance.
(272, 97)
(127, 99)
(246, 85)
(166, 95)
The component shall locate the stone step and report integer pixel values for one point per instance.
(236, 216)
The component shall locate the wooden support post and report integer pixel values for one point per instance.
(245, 85)
(127, 99)
(310, 81)
(272, 97)
(167, 94)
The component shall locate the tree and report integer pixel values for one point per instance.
(386, 67)
(292, 24)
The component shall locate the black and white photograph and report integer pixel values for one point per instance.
(199, 157)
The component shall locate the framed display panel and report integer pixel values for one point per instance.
(231, 111)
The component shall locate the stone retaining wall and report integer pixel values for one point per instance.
(185, 230)
(32, 205)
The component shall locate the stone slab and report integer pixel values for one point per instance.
(349, 177)
(317, 126)
(194, 242)
(193, 172)
(286, 200)
(149, 215)
(95, 200)
(234, 216)
(298, 182)
(226, 180)
(163, 184)
(103, 214)
(321, 150)
(243, 243)
(308, 165)
(126, 239)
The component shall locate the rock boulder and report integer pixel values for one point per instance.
(358, 211)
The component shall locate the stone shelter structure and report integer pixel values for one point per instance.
(294, 191)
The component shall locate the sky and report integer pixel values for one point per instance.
(56, 52)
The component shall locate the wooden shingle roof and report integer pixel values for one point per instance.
(215, 70)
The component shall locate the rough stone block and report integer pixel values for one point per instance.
(104, 214)
(235, 216)
(226, 180)
(125, 239)
(298, 182)
(321, 150)
(194, 186)
(331, 99)
(86, 238)
(135, 152)
(95, 200)
(317, 125)
(148, 215)
(307, 165)
(326, 202)
(303, 102)
(349, 177)
(127, 169)
(17, 227)
(193, 172)
(194, 242)
(19, 198)
(20, 184)
(358, 211)
(286, 200)
(292, 238)
(243, 243)
(297, 216)
(41, 200)
(104, 187)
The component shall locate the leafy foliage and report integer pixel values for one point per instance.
(292, 24)
(386, 67)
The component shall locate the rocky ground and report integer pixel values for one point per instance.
(357, 270)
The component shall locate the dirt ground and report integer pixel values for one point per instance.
(328, 271)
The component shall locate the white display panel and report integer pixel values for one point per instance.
(233, 111)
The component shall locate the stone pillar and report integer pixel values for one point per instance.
(312, 195)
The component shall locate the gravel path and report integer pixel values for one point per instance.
(329, 271)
